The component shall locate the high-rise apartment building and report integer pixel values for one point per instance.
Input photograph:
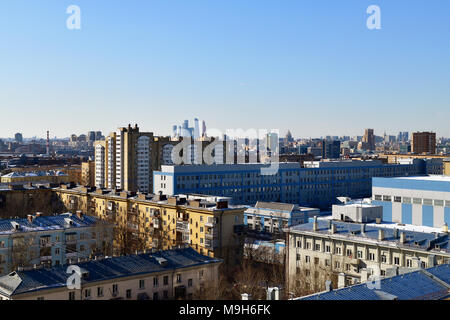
(18, 137)
(368, 140)
(423, 142)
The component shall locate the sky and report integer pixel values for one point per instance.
(309, 66)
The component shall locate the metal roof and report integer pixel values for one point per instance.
(43, 223)
(416, 285)
(414, 239)
(100, 270)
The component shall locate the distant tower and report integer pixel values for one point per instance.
(48, 143)
(174, 131)
(203, 129)
(196, 129)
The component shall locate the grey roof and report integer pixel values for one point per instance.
(43, 223)
(416, 285)
(19, 282)
(414, 239)
(275, 206)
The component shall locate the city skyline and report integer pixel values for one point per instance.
(305, 67)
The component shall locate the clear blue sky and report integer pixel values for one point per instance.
(309, 66)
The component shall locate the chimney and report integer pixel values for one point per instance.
(79, 214)
(363, 228)
(30, 218)
(445, 228)
(246, 296)
(380, 235)
(315, 226)
(273, 293)
(328, 286)
(402, 237)
(333, 228)
(38, 214)
(395, 233)
(341, 280)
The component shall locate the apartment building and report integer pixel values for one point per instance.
(52, 176)
(159, 275)
(447, 167)
(357, 249)
(206, 223)
(272, 217)
(52, 240)
(317, 184)
(88, 173)
(423, 142)
(420, 200)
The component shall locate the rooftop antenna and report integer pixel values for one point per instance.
(48, 143)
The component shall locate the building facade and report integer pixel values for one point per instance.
(272, 217)
(357, 249)
(423, 142)
(423, 200)
(206, 223)
(316, 185)
(52, 240)
(163, 275)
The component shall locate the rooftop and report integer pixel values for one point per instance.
(430, 284)
(101, 270)
(42, 223)
(352, 231)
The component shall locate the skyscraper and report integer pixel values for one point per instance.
(18, 137)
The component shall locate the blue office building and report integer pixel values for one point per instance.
(317, 184)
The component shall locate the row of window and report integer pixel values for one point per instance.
(409, 200)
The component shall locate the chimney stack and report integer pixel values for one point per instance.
(30, 218)
(328, 286)
(363, 228)
(333, 228)
(315, 225)
(380, 235)
(395, 233)
(38, 214)
(402, 237)
(445, 228)
(79, 214)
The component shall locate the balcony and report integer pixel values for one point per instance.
(182, 226)
(211, 244)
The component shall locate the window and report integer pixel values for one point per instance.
(307, 259)
(327, 262)
(99, 291)
(387, 198)
(349, 253)
(165, 294)
(141, 284)
(115, 289)
(383, 272)
(178, 278)
(166, 280)
(57, 251)
(87, 293)
(378, 197)
(417, 200)
(406, 200)
(155, 295)
(397, 199)
(347, 267)
(337, 264)
(371, 256)
(427, 202)
(359, 254)
(397, 261)
(298, 257)
(155, 281)
(439, 203)
(72, 295)
(327, 249)
(337, 250)
(316, 261)
(317, 247)
(128, 293)
(190, 283)
(409, 263)
(383, 258)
